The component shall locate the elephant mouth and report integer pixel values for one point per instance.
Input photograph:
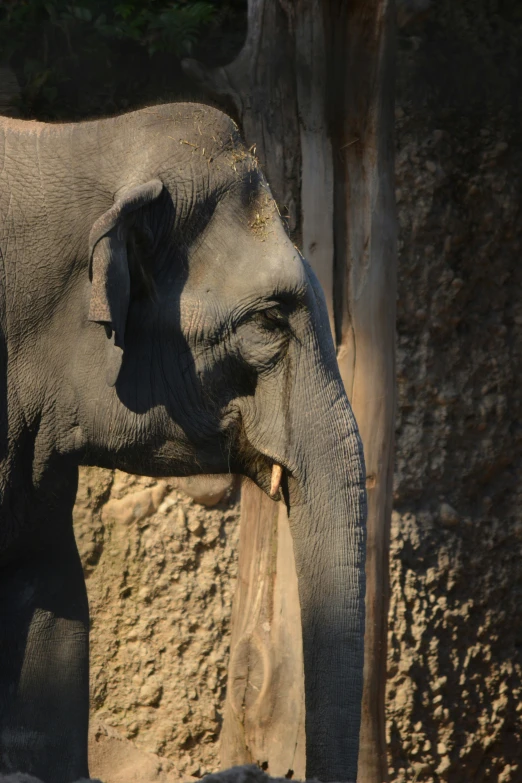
(269, 475)
(266, 470)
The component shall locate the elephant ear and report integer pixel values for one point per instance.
(109, 269)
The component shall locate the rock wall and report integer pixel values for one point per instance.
(455, 664)
(160, 574)
(455, 634)
(160, 567)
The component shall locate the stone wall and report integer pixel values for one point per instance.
(160, 574)
(455, 634)
(455, 664)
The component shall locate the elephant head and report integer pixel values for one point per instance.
(215, 355)
(190, 336)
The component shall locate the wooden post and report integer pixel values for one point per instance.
(313, 89)
(264, 711)
(361, 121)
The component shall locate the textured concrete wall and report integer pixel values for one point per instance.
(160, 576)
(455, 665)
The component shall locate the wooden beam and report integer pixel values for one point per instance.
(264, 711)
(361, 110)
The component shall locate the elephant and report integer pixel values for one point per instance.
(157, 318)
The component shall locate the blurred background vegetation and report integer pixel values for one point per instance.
(98, 57)
(85, 58)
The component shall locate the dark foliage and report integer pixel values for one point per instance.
(92, 57)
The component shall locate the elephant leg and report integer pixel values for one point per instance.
(44, 662)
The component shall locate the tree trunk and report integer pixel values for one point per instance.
(313, 90)
(361, 123)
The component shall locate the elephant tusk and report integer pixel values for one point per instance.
(277, 475)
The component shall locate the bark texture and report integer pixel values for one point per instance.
(313, 91)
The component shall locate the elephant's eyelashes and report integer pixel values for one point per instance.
(263, 338)
(273, 318)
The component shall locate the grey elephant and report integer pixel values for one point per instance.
(156, 318)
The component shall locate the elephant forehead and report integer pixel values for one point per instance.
(246, 249)
(247, 270)
(224, 282)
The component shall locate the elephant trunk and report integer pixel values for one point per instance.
(327, 515)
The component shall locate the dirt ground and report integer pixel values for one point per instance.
(160, 567)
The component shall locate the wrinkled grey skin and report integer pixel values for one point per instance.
(156, 318)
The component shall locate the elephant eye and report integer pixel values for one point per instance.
(273, 318)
